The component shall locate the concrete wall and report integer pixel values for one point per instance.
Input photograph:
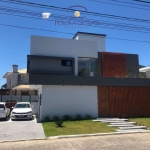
(48, 46)
(71, 100)
(99, 39)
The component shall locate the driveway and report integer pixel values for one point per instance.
(20, 130)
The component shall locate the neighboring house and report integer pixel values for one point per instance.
(17, 79)
(146, 70)
(77, 76)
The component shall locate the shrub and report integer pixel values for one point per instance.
(88, 117)
(67, 118)
(46, 119)
(59, 123)
(78, 117)
(55, 118)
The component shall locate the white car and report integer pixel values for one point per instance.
(4, 111)
(22, 110)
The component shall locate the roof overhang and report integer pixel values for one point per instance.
(145, 69)
(7, 74)
(21, 87)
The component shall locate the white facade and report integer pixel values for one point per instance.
(48, 46)
(59, 100)
(100, 39)
(62, 100)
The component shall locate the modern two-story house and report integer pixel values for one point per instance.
(77, 76)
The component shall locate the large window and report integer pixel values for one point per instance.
(86, 66)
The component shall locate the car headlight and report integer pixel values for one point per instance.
(29, 112)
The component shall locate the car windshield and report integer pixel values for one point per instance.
(1, 105)
(22, 106)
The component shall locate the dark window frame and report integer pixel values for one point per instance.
(64, 63)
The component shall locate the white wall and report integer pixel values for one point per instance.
(61, 100)
(9, 82)
(148, 74)
(14, 79)
(49, 46)
(99, 39)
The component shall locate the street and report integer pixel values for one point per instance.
(138, 141)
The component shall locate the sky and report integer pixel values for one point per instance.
(15, 31)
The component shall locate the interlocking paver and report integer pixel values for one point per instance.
(20, 130)
(139, 141)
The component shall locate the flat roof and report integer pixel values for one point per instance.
(87, 33)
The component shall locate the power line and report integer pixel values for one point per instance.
(21, 27)
(118, 4)
(85, 12)
(104, 25)
(141, 1)
(63, 17)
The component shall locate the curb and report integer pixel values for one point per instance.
(23, 140)
(97, 134)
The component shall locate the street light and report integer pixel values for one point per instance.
(46, 15)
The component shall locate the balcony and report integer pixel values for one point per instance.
(86, 66)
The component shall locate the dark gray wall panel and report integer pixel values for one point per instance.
(50, 65)
(41, 79)
(132, 65)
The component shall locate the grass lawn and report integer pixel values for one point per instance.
(141, 121)
(76, 127)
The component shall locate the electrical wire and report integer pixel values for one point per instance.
(29, 28)
(84, 12)
(102, 23)
(105, 2)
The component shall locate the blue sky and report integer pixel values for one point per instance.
(15, 42)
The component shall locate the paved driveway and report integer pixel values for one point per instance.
(20, 130)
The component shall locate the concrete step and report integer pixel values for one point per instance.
(106, 118)
(111, 119)
(135, 127)
(123, 125)
(135, 130)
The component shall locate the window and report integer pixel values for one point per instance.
(66, 62)
(20, 77)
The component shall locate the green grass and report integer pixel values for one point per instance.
(141, 121)
(76, 127)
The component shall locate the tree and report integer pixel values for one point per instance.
(4, 86)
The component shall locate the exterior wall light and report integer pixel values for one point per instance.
(46, 15)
